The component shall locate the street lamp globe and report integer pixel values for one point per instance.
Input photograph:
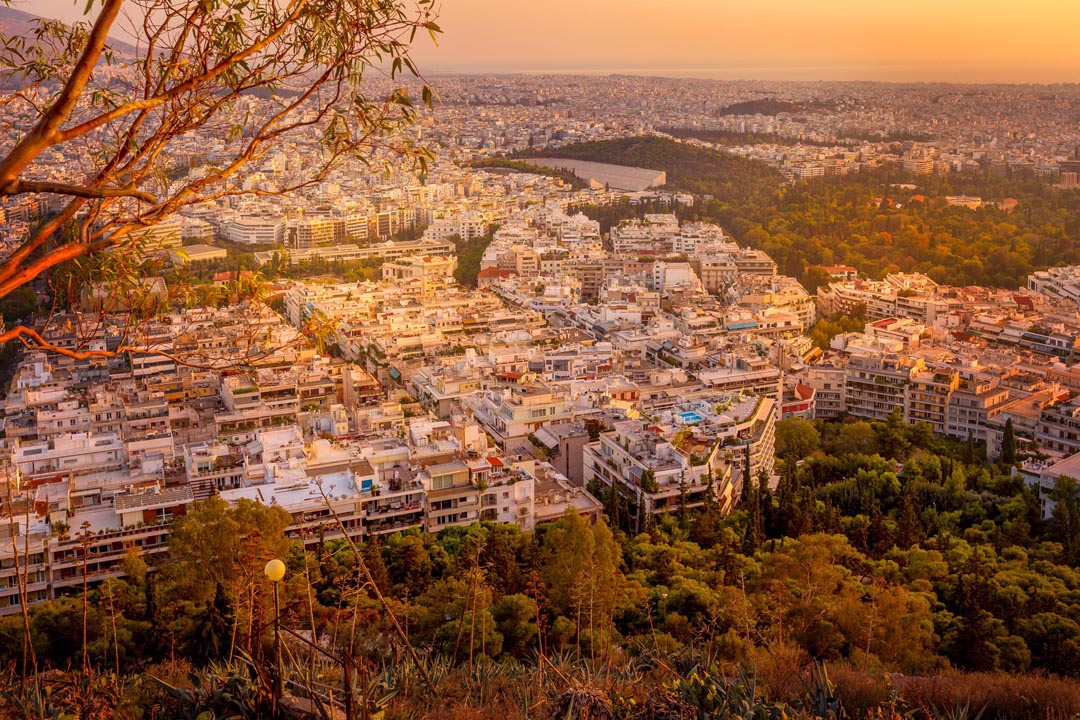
(275, 570)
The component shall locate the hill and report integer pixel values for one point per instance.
(774, 107)
(731, 137)
(701, 171)
(507, 166)
(15, 22)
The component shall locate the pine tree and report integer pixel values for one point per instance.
(858, 532)
(709, 505)
(830, 520)
(642, 518)
(373, 558)
(909, 528)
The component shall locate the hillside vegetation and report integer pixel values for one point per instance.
(865, 219)
(883, 550)
(731, 137)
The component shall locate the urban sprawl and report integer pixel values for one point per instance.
(655, 359)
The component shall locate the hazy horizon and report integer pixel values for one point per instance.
(967, 41)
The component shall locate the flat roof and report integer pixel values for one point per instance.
(152, 500)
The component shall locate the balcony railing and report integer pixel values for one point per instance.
(393, 509)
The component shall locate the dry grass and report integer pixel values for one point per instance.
(781, 669)
(860, 691)
(1008, 697)
(993, 695)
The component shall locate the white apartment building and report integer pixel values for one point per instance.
(254, 230)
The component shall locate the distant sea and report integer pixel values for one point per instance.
(800, 73)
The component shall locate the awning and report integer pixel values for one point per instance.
(546, 438)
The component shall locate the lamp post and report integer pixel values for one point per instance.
(275, 571)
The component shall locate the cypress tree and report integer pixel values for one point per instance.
(765, 497)
(209, 639)
(1008, 444)
(613, 501)
(909, 529)
(754, 533)
(878, 537)
(683, 508)
(788, 519)
(747, 484)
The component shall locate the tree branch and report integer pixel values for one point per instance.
(46, 131)
(189, 84)
(32, 340)
(83, 191)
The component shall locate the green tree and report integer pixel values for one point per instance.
(753, 533)
(410, 564)
(209, 640)
(648, 481)
(909, 529)
(19, 305)
(579, 566)
(373, 558)
(796, 438)
(1064, 523)
(1008, 444)
(854, 437)
(215, 543)
(515, 618)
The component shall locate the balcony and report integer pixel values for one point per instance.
(400, 523)
(393, 509)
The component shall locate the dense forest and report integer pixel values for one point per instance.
(508, 165)
(770, 106)
(890, 572)
(732, 137)
(726, 177)
(867, 219)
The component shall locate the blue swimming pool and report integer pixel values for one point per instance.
(690, 417)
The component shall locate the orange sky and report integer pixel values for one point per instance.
(960, 40)
(968, 40)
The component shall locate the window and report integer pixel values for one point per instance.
(441, 482)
